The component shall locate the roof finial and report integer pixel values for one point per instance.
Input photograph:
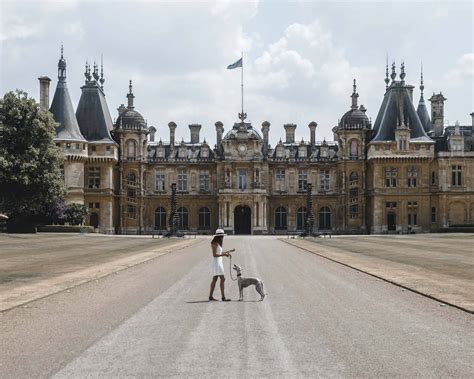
(130, 96)
(62, 50)
(393, 74)
(402, 71)
(354, 96)
(62, 66)
(95, 73)
(102, 80)
(422, 87)
(387, 80)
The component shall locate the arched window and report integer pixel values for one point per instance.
(204, 218)
(300, 218)
(132, 177)
(324, 218)
(354, 177)
(280, 218)
(354, 149)
(131, 149)
(160, 218)
(183, 218)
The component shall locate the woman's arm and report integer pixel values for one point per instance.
(214, 251)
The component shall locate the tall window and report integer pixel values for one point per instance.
(204, 180)
(183, 218)
(131, 149)
(132, 178)
(302, 179)
(433, 178)
(182, 179)
(354, 149)
(300, 218)
(456, 175)
(324, 180)
(412, 213)
(204, 218)
(160, 180)
(242, 179)
(412, 174)
(354, 195)
(354, 211)
(93, 177)
(280, 180)
(353, 178)
(160, 218)
(402, 143)
(325, 218)
(390, 177)
(433, 214)
(131, 211)
(280, 218)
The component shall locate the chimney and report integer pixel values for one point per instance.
(472, 117)
(152, 131)
(437, 113)
(219, 131)
(194, 129)
(44, 92)
(172, 125)
(265, 130)
(312, 131)
(290, 132)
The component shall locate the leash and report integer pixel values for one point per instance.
(230, 269)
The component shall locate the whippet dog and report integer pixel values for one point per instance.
(245, 282)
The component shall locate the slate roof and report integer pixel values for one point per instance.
(63, 113)
(243, 130)
(93, 114)
(397, 108)
(424, 116)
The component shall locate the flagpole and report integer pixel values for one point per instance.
(242, 82)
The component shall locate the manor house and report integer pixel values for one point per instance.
(405, 172)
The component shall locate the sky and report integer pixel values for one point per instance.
(300, 57)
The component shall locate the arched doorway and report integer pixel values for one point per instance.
(94, 220)
(242, 220)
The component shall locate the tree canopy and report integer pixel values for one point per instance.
(31, 183)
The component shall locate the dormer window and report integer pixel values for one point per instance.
(302, 152)
(205, 152)
(280, 152)
(182, 152)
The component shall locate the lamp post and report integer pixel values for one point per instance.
(174, 218)
(309, 219)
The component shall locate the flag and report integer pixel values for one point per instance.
(235, 65)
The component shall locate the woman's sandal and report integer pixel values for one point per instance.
(212, 299)
(225, 299)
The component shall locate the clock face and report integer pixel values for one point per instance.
(242, 148)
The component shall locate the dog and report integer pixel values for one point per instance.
(245, 282)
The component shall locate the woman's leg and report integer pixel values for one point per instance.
(213, 285)
(222, 284)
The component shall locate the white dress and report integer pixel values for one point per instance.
(217, 264)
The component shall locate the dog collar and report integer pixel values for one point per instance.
(239, 274)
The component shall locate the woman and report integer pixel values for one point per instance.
(217, 264)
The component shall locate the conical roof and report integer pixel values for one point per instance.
(397, 109)
(93, 114)
(424, 115)
(62, 109)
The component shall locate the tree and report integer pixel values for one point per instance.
(75, 213)
(31, 184)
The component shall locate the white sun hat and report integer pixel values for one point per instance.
(219, 232)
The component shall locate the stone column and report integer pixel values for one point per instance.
(44, 92)
(312, 131)
(172, 125)
(290, 132)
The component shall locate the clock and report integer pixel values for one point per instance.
(242, 148)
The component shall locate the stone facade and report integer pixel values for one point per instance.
(401, 174)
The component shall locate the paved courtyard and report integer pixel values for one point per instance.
(437, 265)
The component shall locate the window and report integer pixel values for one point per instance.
(411, 176)
(325, 218)
(183, 218)
(354, 211)
(456, 175)
(433, 214)
(302, 152)
(302, 180)
(412, 213)
(354, 149)
(433, 178)
(93, 177)
(402, 144)
(182, 180)
(160, 218)
(131, 211)
(353, 178)
(160, 180)
(354, 195)
(204, 181)
(390, 177)
(242, 179)
(204, 218)
(131, 149)
(280, 180)
(324, 181)
(132, 178)
(300, 218)
(131, 195)
(280, 218)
